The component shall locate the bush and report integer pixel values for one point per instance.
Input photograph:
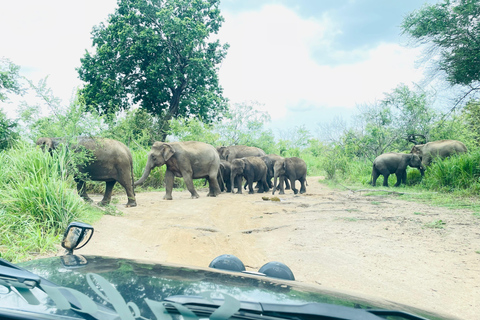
(39, 200)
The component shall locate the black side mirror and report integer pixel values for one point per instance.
(76, 236)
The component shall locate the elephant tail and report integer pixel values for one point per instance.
(133, 179)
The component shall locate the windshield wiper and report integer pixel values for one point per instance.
(256, 310)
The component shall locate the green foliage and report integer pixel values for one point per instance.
(451, 30)
(243, 125)
(62, 121)
(38, 201)
(386, 125)
(192, 130)
(157, 175)
(159, 55)
(9, 79)
(457, 172)
(136, 128)
(8, 135)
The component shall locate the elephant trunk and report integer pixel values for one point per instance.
(146, 173)
(274, 183)
(232, 181)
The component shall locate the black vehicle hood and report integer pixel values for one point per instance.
(139, 281)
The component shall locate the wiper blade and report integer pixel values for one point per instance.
(308, 310)
(19, 277)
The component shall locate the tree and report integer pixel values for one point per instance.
(160, 55)
(243, 125)
(451, 31)
(9, 79)
(7, 131)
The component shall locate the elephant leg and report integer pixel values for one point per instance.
(187, 178)
(269, 182)
(261, 186)
(238, 184)
(292, 182)
(250, 185)
(213, 187)
(228, 185)
(287, 185)
(399, 179)
(127, 184)
(107, 197)
(375, 175)
(385, 179)
(303, 189)
(404, 176)
(81, 189)
(168, 184)
(280, 184)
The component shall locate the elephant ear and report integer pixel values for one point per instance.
(226, 153)
(54, 143)
(45, 144)
(168, 152)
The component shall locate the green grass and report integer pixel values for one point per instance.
(39, 200)
(438, 224)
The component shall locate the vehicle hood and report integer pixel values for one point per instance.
(139, 281)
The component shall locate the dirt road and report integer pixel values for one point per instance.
(410, 253)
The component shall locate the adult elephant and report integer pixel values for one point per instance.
(292, 169)
(187, 159)
(111, 162)
(393, 162)
(253, 169)
(235, 152)
(441, 148)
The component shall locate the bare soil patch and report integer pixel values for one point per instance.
(384, 247)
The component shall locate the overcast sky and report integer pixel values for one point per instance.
(306, 61)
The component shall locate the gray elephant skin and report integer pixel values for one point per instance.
(187, 159)
(235, 152)
(292, 169)
(112, 163)
(226, 171)
(253, 169)
(270, 160)
(441, 148)
(393, 162)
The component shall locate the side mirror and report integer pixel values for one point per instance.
(76, 236)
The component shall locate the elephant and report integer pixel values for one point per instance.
(393, 162)
(270, 160)
(225, 171)
(187, 159)
(441, 148)
(112, 162)
(253, 169)
(293, 169)
(234, 152)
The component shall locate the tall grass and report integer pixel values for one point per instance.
(457, 172)
(39, 200)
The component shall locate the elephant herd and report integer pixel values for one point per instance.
(419, 157)
(223, 167)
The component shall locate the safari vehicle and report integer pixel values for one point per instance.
(92, 287)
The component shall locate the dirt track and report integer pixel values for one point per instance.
(378, 246)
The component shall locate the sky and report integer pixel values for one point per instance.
(305, 62)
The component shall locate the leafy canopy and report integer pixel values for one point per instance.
(159, 55)
(9, 79)
(451, 30)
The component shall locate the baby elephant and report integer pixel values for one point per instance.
(393, 162)
(253, 169)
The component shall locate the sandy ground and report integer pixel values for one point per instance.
(374, 245)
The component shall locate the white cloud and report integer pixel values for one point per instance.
(270, 61)
(48, 38)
